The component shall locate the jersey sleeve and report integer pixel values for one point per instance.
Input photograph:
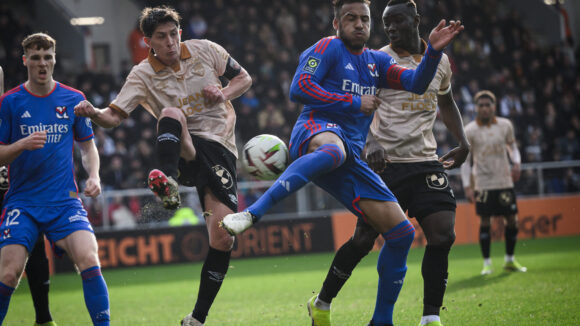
(412, 80)
(5, 120)
(133, 93)
(510, 137)
(83, 128)
(313, 68)
(446, 68)
(217, 56)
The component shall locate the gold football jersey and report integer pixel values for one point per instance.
(489, 143)
(403, 123)
(156, 86)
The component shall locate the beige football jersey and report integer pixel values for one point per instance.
(156, 86)
(491, 167)
(403, 123)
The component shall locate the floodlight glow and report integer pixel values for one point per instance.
(84, 21)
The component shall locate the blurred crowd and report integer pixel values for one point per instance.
(538, 88)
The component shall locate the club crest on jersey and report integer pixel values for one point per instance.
(61, 112)
(311, 65)
(373, 70)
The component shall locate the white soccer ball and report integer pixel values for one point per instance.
(265, 157)
(4, 183)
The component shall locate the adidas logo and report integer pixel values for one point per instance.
(348, 67)
(26, 114)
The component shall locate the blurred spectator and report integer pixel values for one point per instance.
(137, 46)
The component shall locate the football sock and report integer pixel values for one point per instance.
(96, 296)
(213, 273)
(434, 271)
(392, 267)
(485, 240)
(5, 295)
(511, 237)
(307, 167)
(345, 260)
(169, 146)
(37, 274)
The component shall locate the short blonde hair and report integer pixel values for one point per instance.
(486, 94)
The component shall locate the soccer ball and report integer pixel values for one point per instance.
(265, 157)
(4, 183)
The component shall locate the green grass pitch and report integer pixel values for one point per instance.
(273, 291)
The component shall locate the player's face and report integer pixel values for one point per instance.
(485, 109)
(354, 25)
(40, 64)
(400, 23)
(165, 42)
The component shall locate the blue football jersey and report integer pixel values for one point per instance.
(43, 177)
(330, 80)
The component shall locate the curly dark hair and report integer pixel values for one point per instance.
(337, 4)
(152, 17)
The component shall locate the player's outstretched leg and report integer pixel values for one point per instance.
(324, 159)
(38, 276)
(392, 267)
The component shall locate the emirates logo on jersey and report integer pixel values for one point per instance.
(61, 112)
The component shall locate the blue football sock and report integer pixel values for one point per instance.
(5, 295)
(392, 266)
(96, 296)
(307, 167)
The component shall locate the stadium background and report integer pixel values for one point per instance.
(532, 67)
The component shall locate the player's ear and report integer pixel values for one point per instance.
(24, 59)
(180, 31)
(335, 23)
(417, 20)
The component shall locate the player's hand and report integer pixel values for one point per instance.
(85, 109)
(442, 35)
(369, 104)
(34, 141)
(93, 187)
(516, 172)
(469, 194)
(455, 157)
(375, 156)
(213, 95)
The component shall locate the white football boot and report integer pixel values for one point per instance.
(238, 222)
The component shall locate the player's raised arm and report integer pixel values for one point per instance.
(106, 118)
(418, 80)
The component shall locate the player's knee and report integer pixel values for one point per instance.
(11, 276)
(364, 241)
(171, 112)
(443, 238)
(86, 261)
(222, 242)
(403, 239)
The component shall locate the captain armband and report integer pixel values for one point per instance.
(233, 69)
(445, 91)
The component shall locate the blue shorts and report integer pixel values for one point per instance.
(350, 182)
(21, 224)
